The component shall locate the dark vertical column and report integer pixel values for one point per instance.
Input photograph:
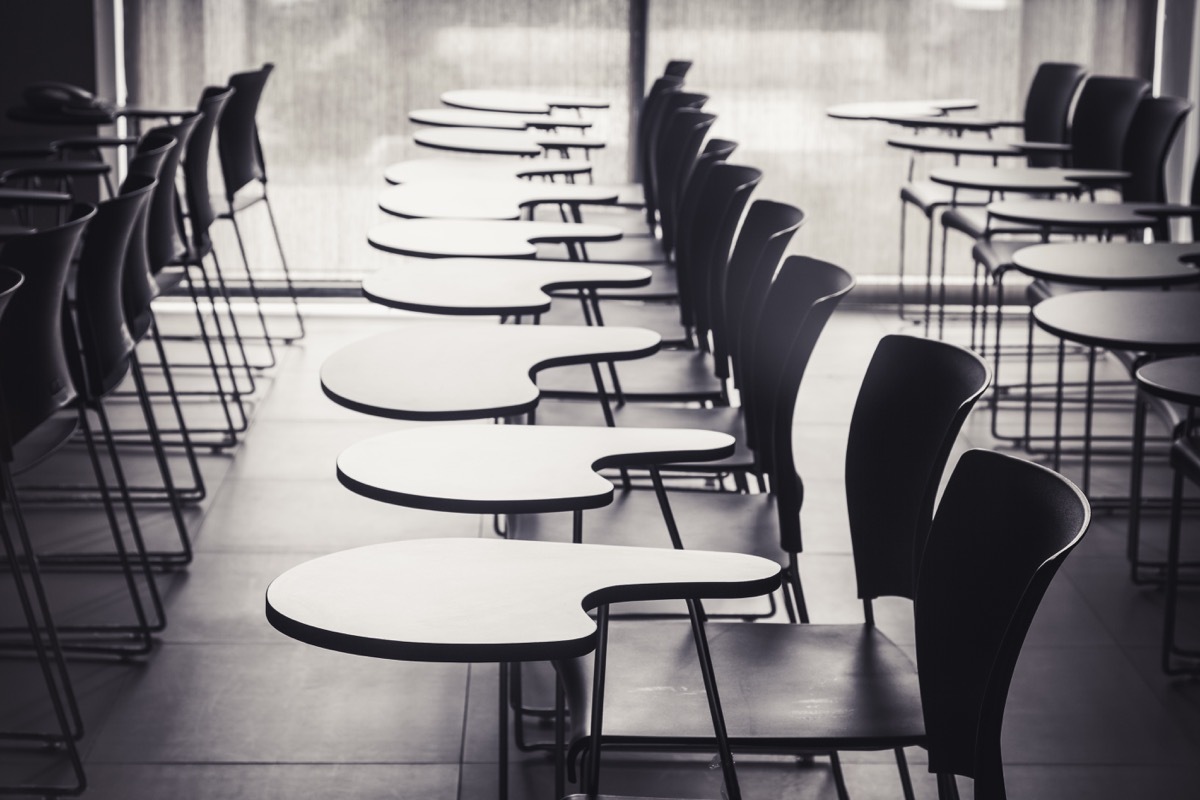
(47, 40)
(1176, 60)
(638, 23)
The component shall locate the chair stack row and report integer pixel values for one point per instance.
(677, 316)
(1083, 250)
(111, 389)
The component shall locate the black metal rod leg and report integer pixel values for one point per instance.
(695, 615)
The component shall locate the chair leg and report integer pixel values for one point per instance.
(50, 659)
(287, 275)
(41, 621)
(905, 778)
(839, 777)
(266, 336)
(135, 531)
(793, 581)
(184, 555)
(900, 270)
(234, 327)
(197, 491)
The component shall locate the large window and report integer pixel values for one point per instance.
(334, 113)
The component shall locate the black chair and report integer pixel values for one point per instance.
(105, 351)
(42, 633)
(1003, 528)
(722, 192)
(1179, 658)
(1045, 121)
(1155, 124)
(797, 306)
(172, 260)
(37, 380)
(242, 164)
(765, 233)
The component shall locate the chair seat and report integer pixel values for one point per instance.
(925, 195)
(167, 279)
(973, 221)
(664, 285)
(662, 318)
(636, 250)
(996, 255)
(668, 375)
(43, 441)
(1185, 456)
(630, 195)
(631, 221)
(640, 415)
(970, 220)
(783, 687)
(719, 521)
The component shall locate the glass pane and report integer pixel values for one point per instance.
(772, 67)
(334, 112)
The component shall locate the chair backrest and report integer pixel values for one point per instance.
(1048, 105)
(914, 398)
(1195, 200)
(677, 68)
(799, 303)
(10, 282)
(681, 133)
(1156, 123)
(237, 133)
(1105, 108)
(716, 151)
(710, 238)
(139, 287)
(34, 375)
(164, 237)
(195, 165)
(649, 118)
(104, 340)
(766, 232)
(1001, 532)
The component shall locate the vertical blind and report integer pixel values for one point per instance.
(348, 71)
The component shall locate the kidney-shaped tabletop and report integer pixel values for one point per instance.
(1024, 179)
(517, 469)
(1065, 213)
(517, 102)
(485, 199)
(474, 169)
(485, 238)
(504, 143)
(479, 286)
(468, 118)
(464, 600)
(459, 370)
(874, 109)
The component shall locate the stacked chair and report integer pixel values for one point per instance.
(95, 374)
(738, 321)
(1107, 239)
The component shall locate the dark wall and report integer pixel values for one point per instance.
(44, 40)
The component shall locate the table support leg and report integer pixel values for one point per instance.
(696, 614)
(1058, 408)
(1088, 406)
(502, 738)
(1133, 538)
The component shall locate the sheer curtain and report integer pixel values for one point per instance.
(334, 112)
(772, 67)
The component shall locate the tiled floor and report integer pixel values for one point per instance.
(225, 707)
